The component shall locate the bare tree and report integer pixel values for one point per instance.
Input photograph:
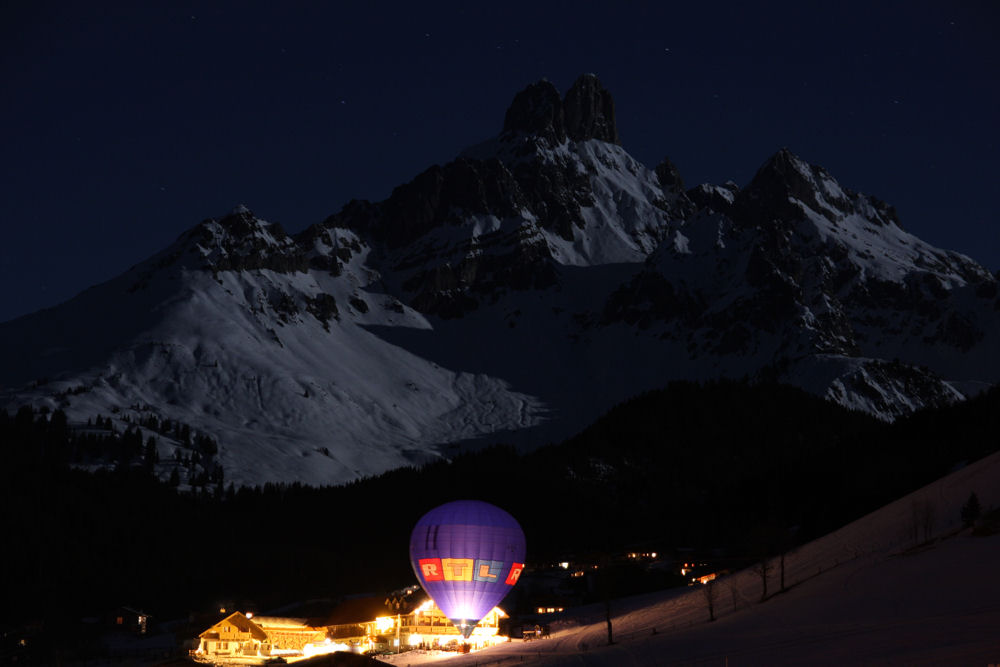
(927, 517)
(708, 590)
(921, 523)
(607, 618)
(763, 568)
(606, 582)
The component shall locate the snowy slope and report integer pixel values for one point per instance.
(861, 595)
(239, 356)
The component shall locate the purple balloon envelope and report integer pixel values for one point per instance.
(467, 555)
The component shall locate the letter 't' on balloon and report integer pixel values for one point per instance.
(467, 555)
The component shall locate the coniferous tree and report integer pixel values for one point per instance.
(971, 510)
(150, 456)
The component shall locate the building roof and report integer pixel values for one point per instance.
(241, 622)
(282, 622)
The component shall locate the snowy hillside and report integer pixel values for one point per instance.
(512, 295)
(861, 595)
(275, 365)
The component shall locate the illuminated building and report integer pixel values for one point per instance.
(237, 635)
(422, 627)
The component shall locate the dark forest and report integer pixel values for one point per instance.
(743, 470)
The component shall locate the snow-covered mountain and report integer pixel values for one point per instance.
(512, 295)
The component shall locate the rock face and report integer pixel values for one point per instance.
(590, 111)
(514, 293)
(785, 183)
(537, 111)
(794, 268)
(241, 242)
(587, 112)
(506, 216)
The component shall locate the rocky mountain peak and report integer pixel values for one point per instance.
(670, 176)
(586, 112)
(783, 184)
(241, 222)
(785, 172)
(537, 110)
(241, 241)
(590, 111)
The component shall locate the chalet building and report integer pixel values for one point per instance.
(427, 627)
(238, 635)
(423, 626)
(234, 635)
(290, 634)
(130, 620)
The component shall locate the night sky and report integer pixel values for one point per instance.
(125, 124)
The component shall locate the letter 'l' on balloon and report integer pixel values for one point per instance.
(467, 555)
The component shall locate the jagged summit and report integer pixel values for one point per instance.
(590, 111)
(242, 241)
(537, 110)
(785, 183)
(586, 112)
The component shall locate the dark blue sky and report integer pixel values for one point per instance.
(126, 123)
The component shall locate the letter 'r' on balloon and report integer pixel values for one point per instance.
(431, 569)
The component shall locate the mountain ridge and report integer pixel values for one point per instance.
(512, 293)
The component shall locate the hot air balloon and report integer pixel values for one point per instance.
(467, 555)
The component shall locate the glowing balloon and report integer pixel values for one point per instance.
(467, 555)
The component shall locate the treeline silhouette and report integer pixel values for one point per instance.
(738, 468)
